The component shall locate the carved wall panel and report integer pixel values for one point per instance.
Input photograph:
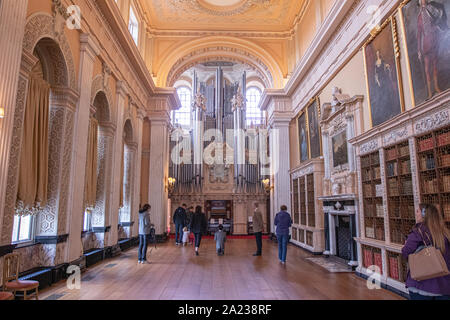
(62, 73)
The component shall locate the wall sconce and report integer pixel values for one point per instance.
(267, 186)
(171, 184)
(2, 113)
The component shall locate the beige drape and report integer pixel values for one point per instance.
(90, 189)
(122, 171)
(33, 172)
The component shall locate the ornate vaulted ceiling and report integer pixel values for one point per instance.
(223, 15)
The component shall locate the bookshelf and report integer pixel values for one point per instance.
(295, 206)
(307, 213)
(302, 201)
(397, 266)
(400, 195)
(373, 197)
(311, 201)
(372, 257)
(433, 156)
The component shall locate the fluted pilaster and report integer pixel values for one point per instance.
(89, 50)
(12, 25)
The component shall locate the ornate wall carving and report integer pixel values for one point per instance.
(432, 121)
(61, 72)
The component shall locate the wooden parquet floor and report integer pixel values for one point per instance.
(175, 273)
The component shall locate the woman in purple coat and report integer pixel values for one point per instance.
(432, 226)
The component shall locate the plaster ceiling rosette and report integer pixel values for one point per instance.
(227, 7)
(230, 15)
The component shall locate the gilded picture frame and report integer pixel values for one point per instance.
(303, 136)
(314, 131)
(434, 41)
(383, 73)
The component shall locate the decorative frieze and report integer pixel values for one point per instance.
(303, 172)
(369, 147)
(395, 136)
(432, 122)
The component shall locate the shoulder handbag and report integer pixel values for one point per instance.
(427, 263)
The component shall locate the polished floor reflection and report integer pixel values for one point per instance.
(176, 273)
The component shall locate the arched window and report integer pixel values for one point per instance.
(133, 26)
(183, 115)
(253, 113)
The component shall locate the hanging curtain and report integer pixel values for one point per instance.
(33, 170)
(122, 171)
(91, 165)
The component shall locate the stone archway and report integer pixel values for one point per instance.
(219, 48)
(101, 106)
(51, 49)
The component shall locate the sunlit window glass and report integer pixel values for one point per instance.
(183, 115)
(253, 113)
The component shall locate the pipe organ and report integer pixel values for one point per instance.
(234, 175)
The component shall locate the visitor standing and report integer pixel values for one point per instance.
(179, 219)
(220, 237)
(430, 230)
(144, 232)
(283, 222)
(258, 228)
(189, 214)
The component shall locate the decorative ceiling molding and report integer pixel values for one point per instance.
(234, 7)
(259, 16)
(220, 48)
(178, 71)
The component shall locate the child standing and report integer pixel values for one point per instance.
(185, 236)
(220, 237)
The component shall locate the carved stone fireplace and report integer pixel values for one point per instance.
(341, 121)
(340, 227)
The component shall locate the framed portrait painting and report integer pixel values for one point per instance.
(426, 27)
(340, 153)
(314, 129)
(383, 75)
(303, 138)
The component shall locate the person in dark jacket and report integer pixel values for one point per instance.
(429, 230)
(198, 227)
(283, 222)
(144, 231)
(179, 219)
(189, 214)
(258, 228)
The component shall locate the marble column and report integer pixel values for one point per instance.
(280, 165)
(12, 26)
(89, 51)
(137, 174)
(158, 173)
(122, 91)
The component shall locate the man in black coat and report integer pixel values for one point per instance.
(179, 219)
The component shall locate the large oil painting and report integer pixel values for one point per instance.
(340, 153)
(314, 129)
(303, 138)
(427, 31)
(382, 77)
